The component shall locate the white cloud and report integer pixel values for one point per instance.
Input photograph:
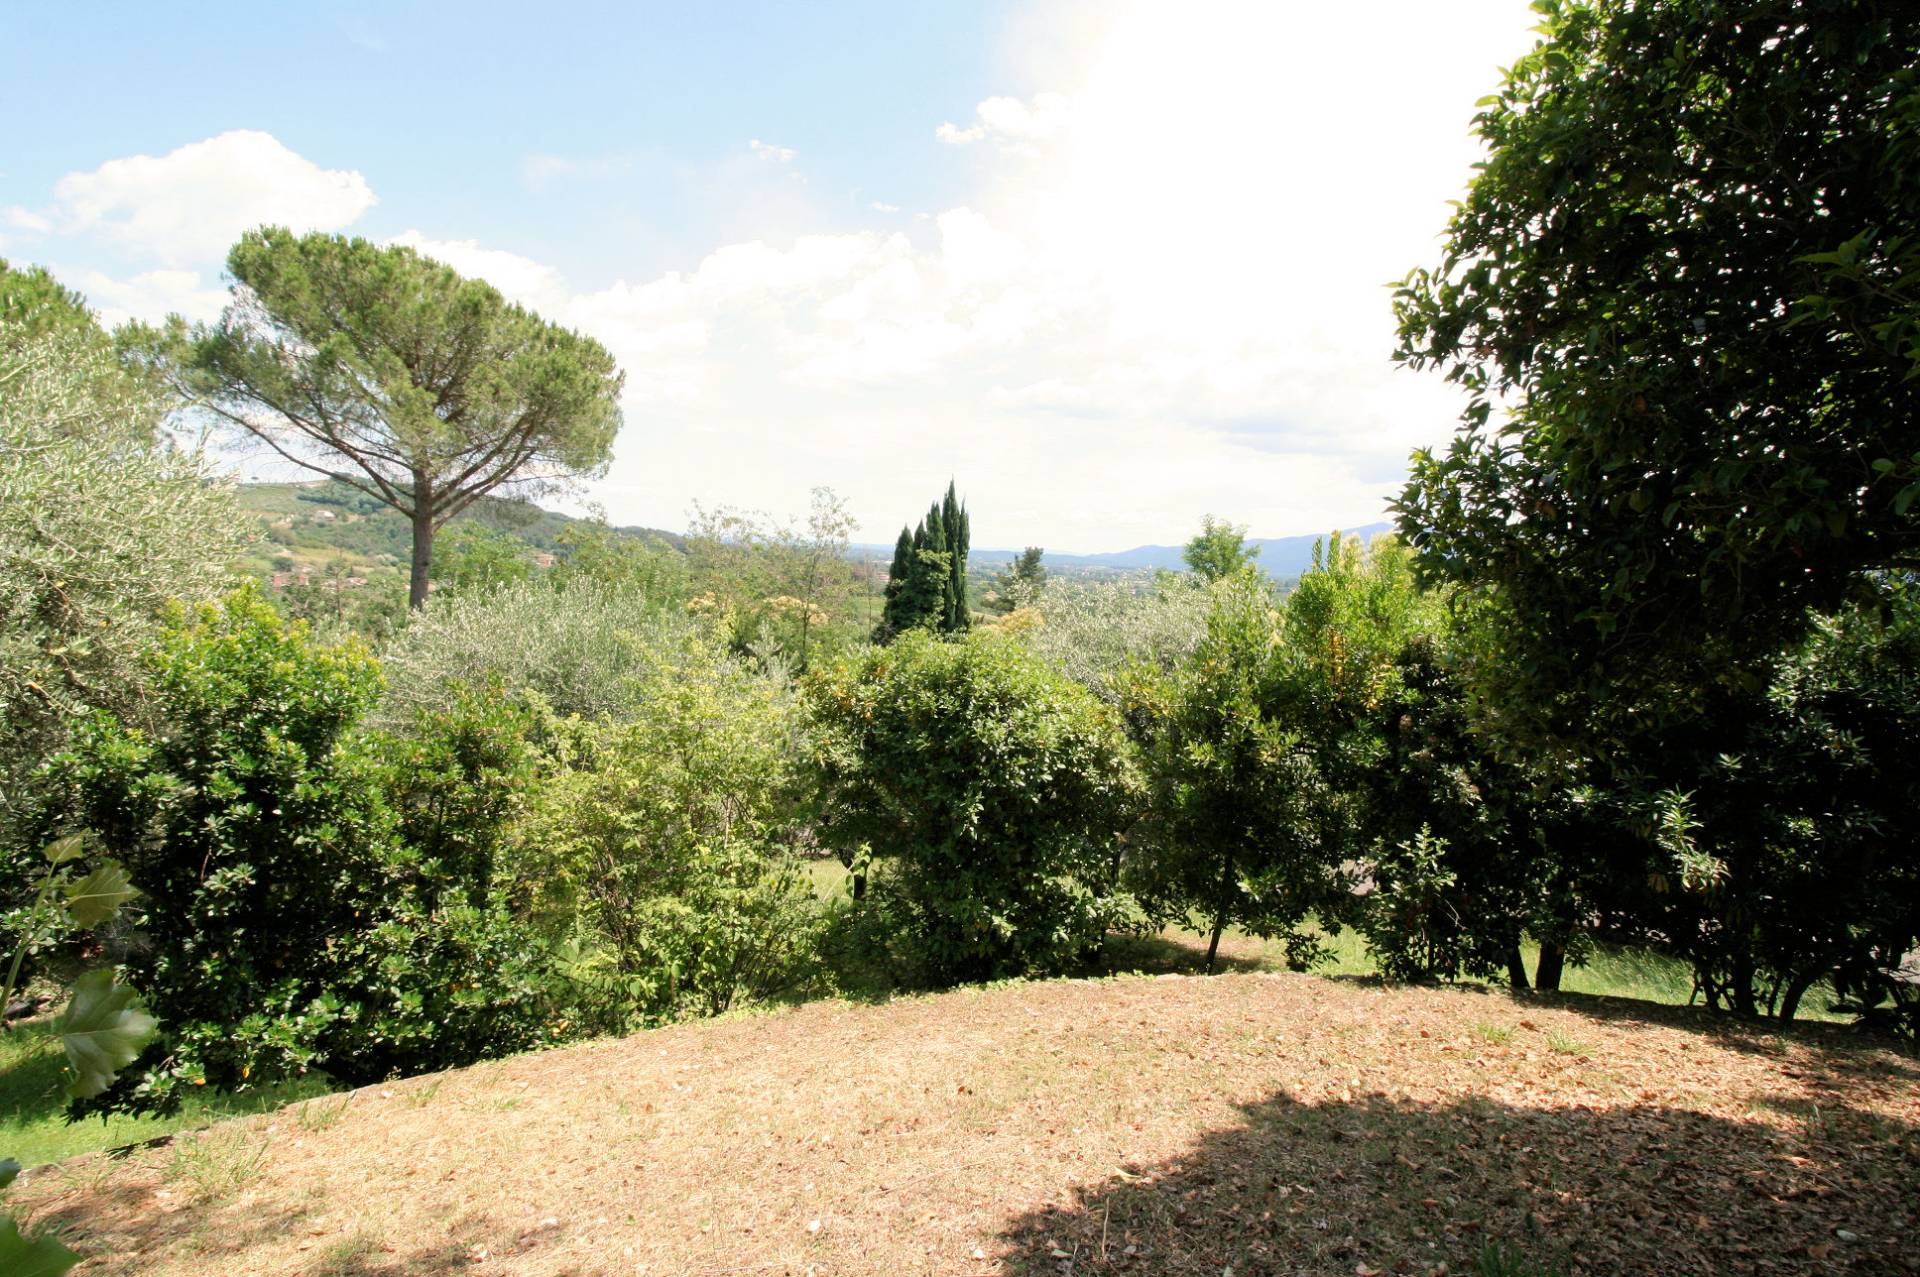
(24, 219)
(190, 205)
(880, 206)
(150, 296)
(768, 151)
(1013, 123)
(1184, 308)
(520, 279)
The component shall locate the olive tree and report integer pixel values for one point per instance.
(103, 519)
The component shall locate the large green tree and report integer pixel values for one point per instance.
(1681, 296)
(1219, 549)
(990, 793)
(391, 373)
(33, 303)
(1021, 583)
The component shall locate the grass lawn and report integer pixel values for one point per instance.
(1611, 971)
(1263, 1123)
(827, 876)
(33, 1125)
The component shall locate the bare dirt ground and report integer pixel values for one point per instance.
(1257, 1123)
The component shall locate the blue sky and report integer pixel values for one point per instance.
(1112, 266)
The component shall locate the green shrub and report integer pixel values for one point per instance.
(1793, 851)
(428, 988)
(659, 845)
(458, 777)
(1409, 919)
(286, 926)
(992, 793)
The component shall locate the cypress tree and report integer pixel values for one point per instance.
(927, 584)
(921, 600)
(897, 577)
(957, 523)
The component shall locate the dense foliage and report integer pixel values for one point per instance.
(33, 304)
(1239, 800)
(660, 848)
(577, 646)
(988, 792)
(1792, 852)
(1106, 635)
(286, 923)
(1680, 295)
(1681, 512)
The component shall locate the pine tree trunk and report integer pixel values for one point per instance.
(1213, 945)
(422, 548)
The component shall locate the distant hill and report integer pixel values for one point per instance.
(326, 522)
(1280, 557)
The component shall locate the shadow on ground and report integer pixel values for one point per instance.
(1380, 1185)
(118, 1230)
(1167, 954)
(1834, 1055)
(1842, 1051)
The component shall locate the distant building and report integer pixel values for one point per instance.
(543, 560)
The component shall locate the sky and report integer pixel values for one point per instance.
(1108, 266)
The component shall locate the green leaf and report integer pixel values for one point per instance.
(99, 895)
(104, 1030)
(61, 850)
(41, 1257)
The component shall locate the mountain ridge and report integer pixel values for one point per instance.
(1278, 557)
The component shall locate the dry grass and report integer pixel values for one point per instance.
(1270, 1123)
